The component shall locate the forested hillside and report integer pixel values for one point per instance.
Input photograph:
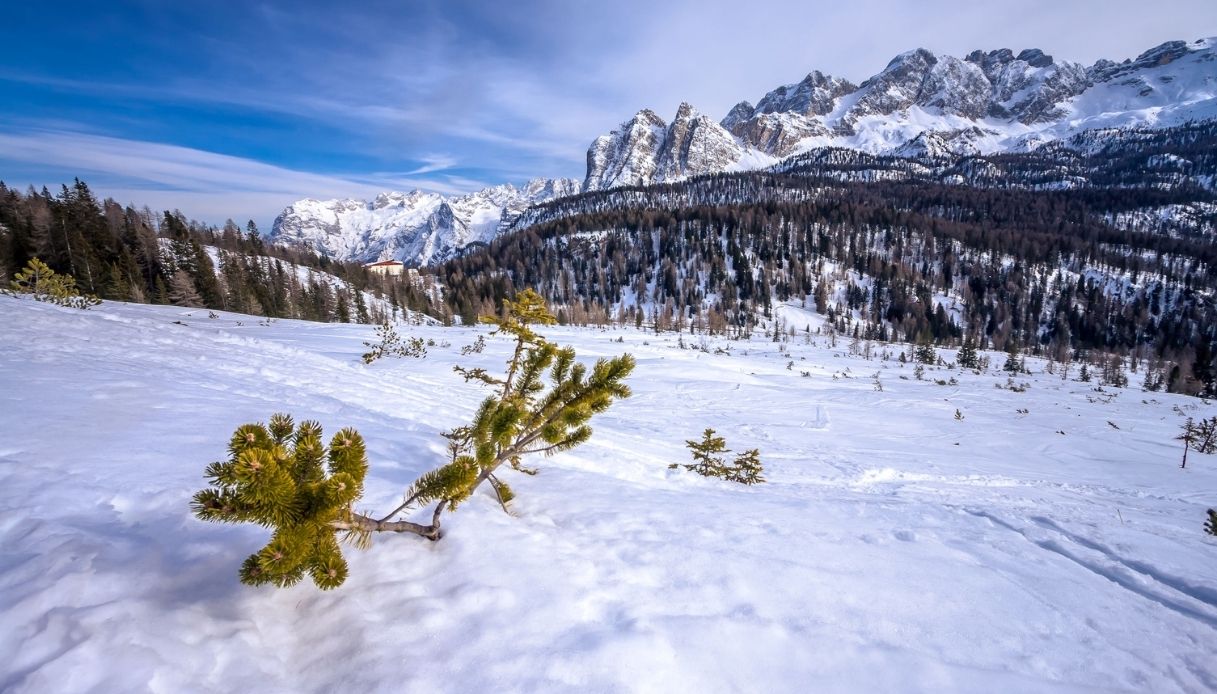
(127, 254)
(1103, 249)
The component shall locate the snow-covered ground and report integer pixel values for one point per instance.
(1046, 541)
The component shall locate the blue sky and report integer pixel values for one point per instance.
(235, 109)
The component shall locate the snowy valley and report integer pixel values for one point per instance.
(958, 532)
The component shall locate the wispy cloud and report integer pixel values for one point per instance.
(202, 184)
(443, 91)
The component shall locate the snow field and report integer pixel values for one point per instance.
(894, 547)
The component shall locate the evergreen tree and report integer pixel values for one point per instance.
(708, 460)
(747, 468)
(45, 284)
(283, 477)
(707, 455)
(274, 477)
(926, 353)
(1210, 526)
(1012, 364)
(968, 357)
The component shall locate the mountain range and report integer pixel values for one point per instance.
(922, 105)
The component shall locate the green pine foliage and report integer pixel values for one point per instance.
(747, 468)
(1210, 526)
(708, 460)
(282, 477)
(707, 455)
(277, 475)
(926, 353)
(389, 344)
(45, 284)
(968, 357)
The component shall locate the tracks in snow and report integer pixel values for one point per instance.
(1177, 594)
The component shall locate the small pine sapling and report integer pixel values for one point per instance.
(390, 344)
(1198, 436)
(282, 477)
(476, 348)
(275, 476)
(747, 468)
(708, 460)
(39, 280)
(1210, 526)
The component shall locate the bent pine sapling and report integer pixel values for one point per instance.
(275, 476)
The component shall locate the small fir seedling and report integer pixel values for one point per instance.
(1210, 526)
(747, 468)
(708, 460)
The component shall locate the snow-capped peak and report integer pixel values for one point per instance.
(414, 227)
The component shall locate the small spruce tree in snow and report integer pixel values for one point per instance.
(967, 354)
(1210, 526)
(708, 460)
(747, 468)
(275, 475)
(926, 354)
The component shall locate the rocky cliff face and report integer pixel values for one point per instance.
(645, 149)
(922, 103)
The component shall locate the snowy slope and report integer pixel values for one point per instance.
(895, 548)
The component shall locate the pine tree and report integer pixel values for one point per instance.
(269, 483)
(1012, 364)
(926, 353)
(747, 468)
(967, 354)
(282, 477)
(707, 458)
(1210, 526)
(47, 285)
(389, 344)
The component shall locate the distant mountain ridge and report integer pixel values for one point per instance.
(416, 227)
(922, 105)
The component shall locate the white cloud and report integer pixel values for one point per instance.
(204, 185)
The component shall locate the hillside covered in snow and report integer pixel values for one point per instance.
(961, 531)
